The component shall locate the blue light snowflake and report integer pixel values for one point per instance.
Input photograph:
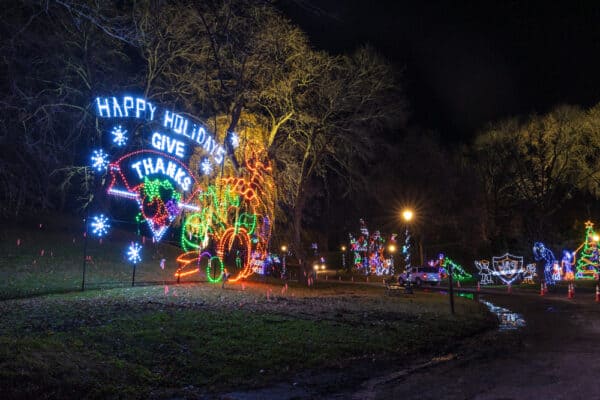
(134, 253)
(120, 135)
(100, 225)
(234, 139)
(206, 167)
(99, 160)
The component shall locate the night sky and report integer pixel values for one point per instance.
(468, 63)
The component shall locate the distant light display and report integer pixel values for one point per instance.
(134, 253)
(485, 273)
(99, 160)
(588, 260)
(507, 267)
(542, 253)
(458, 272)
(100, 225)
(119, 135)
(373, 253)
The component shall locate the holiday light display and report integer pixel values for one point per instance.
(160, 184)
(507, 267)
(134, 253)
(370, 252)
(567, 265)
(99, 160)
(542, 253)
(530, 273)
(485, 273)
(100, 225)
(226, 222)
(406, 252)
(120, 135)
(235, 219)
(113, 107)
(213, 278)
(588, 261)
(458, 272)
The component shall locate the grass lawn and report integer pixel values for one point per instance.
(46, 256)
(146, 342)
(173, 341)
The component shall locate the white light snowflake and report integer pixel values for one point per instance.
(206, 167)
(99, 160)
(234, 139)
(120, 135)
(134, 253)
(100, 225)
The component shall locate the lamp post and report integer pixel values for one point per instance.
(407, 216)
(343, 248)
(284, 252)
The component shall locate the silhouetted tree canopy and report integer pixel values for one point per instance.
(230, 62)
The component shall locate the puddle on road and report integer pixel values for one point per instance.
(508, 320)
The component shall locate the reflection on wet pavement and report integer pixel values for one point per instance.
(508, 319)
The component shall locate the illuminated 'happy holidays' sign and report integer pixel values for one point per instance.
(176, 131)
(156, 177)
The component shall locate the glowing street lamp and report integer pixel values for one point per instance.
(343, 248)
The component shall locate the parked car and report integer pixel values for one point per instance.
(420, 275)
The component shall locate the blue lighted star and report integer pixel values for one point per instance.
(134, 253)
(100, 225)
(120, 135)
(99, 160)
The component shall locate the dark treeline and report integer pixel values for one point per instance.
(335, 126)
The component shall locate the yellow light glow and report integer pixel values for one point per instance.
(323, 266)
(407, 215)
(392, 248)
(343, 248)
(316, 267)
(596, 238)
(284, 248)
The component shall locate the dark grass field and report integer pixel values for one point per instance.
(46, 256)
(191, 340)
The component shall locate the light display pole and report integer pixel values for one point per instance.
(134, 256)
(407, 216)
(85, 233)
(392, 250)
(343, 248)
(284, 252)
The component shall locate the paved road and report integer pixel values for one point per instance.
(556, 356)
